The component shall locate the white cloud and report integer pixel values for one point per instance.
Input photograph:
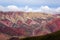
(2, 8)
(58, 9)
(13, 8)
(45, 9)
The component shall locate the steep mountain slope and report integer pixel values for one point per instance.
(28, 23)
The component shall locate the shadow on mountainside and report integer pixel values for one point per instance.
(52, 36)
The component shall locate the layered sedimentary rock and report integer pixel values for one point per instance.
(28, 23)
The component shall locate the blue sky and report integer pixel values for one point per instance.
(50, 6)
(31, 3)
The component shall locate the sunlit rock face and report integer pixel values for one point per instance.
(28, 23)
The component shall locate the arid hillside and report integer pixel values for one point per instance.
(28, 23)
